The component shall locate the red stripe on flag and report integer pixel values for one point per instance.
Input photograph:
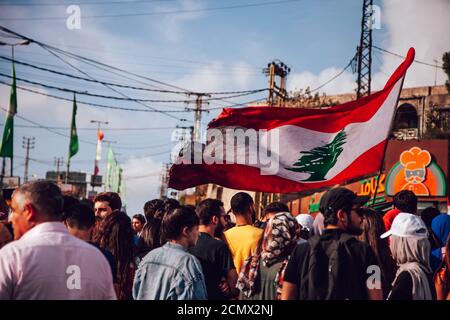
(329, 120)
(237, 176)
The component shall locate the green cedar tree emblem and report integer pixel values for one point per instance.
(318, 161)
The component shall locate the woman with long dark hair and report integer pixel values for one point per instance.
(150, 238)
(116, 235)
(373, 227)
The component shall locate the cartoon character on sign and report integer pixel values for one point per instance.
(415, 162)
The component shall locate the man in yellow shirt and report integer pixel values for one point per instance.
(243, 238)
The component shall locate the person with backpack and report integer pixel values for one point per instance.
(334, 265)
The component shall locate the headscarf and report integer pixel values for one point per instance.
(441, 228)
(412, 255)
(306, 221)
(279, 239)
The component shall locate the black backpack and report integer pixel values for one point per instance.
(328, 269)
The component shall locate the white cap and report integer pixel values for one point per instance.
(407, 225)
(305, 220)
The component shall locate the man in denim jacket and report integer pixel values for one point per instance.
(170, 272)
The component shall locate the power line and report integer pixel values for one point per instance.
(80, 3)
(120, 85)
(127, 53)
(50, 130)
(94, 129)
(91, 62)
(126, 98)
(115, 90)
(88, 103)
(334, 77)
(403, 57)
(50, 49)
(156, 13)
(243, 104)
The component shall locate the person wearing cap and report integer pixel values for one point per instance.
(411, 251)
(404, 201)
(342, 223)
(306, 222)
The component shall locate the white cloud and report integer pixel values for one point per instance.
(142, 180)
(343, 84)
(172, 24)
(216, 76)
(414, 23)
(419, 24)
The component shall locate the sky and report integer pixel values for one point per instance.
(196, 45)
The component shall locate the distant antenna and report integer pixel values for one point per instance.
(364, 51)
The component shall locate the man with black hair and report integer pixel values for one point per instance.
(243, 238)
(105, 203)
(404, 201)
(214, 255)
(45, 261)
(334, 265)
(170, 272)
(269, 211)
(79, 220)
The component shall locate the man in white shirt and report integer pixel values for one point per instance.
(45, 261)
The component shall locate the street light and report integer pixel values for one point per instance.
(12, 45)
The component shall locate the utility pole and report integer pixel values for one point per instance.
(277, 98)
(435, 71)
(277, 68)
(197, 130)
(59, 161)
(364, 51)
(198, 114)
(27, 143)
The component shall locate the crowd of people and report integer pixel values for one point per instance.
(54, 246)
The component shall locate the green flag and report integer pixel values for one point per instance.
(73, 147)
(109, 169)
(6, 149)
(119, 180)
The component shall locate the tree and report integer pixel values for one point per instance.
(437, 123)
(305, 99)
(446, 67)
(320, 160)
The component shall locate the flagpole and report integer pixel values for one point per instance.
(387, 141)
(12, 153)
(2, 175)
(68, 169)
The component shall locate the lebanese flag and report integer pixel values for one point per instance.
(98, 153)
(297, 149)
